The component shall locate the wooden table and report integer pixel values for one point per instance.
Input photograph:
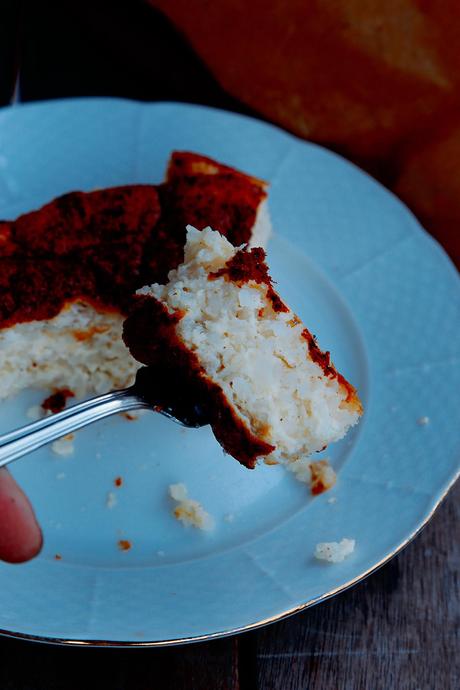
(399, 629)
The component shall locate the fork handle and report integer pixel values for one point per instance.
(33, 436)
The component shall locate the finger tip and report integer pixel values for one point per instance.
(25, 550)
(21, 538)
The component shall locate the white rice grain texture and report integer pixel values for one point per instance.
(256, 355)
(188, 511)
(81, 349)
(333, 551)
(301, 470)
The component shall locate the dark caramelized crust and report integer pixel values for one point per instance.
(250, 265)
(185, 163)
(58, 400)
(177, 380)
(102, 246)
(118, 217)
(87, 245)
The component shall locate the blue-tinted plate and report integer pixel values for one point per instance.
(366, 279)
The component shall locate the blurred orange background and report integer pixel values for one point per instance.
(378, 81)
(375, 80)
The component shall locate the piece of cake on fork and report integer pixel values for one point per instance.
(217, 335)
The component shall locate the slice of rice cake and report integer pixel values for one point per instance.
(68, 270)
(218, 335)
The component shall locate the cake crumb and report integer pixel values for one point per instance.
(333, 551)
(124, 544)
(301, 470)
(112, 500)
(64, 446)
(188, 511)
(130, 416)
(318, 475)
(178, 492)
(118, 481)
(57, 557)
(423, 421)
(323, 476)
(332, 499)
(133, 416)
(35, 412)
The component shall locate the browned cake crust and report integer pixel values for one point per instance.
(185, 164)
(178, 381)
(88, 245)
(101, 246)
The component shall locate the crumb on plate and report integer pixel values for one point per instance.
(130, 416)
(318, 475)
(333, 551)
(323, 477)
(423, 421)
(112, 500)
(124, 544)
(64, 446)
(188, 511)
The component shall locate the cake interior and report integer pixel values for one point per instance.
(81, 349)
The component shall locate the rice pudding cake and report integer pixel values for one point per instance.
(68, 270)
(218, 334)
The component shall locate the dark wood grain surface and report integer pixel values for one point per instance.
(10, 28)
(399, 629)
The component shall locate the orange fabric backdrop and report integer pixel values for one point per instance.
(375, 80)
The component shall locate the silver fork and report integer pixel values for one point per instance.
(26, 439)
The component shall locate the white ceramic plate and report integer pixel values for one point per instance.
(365, 278)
